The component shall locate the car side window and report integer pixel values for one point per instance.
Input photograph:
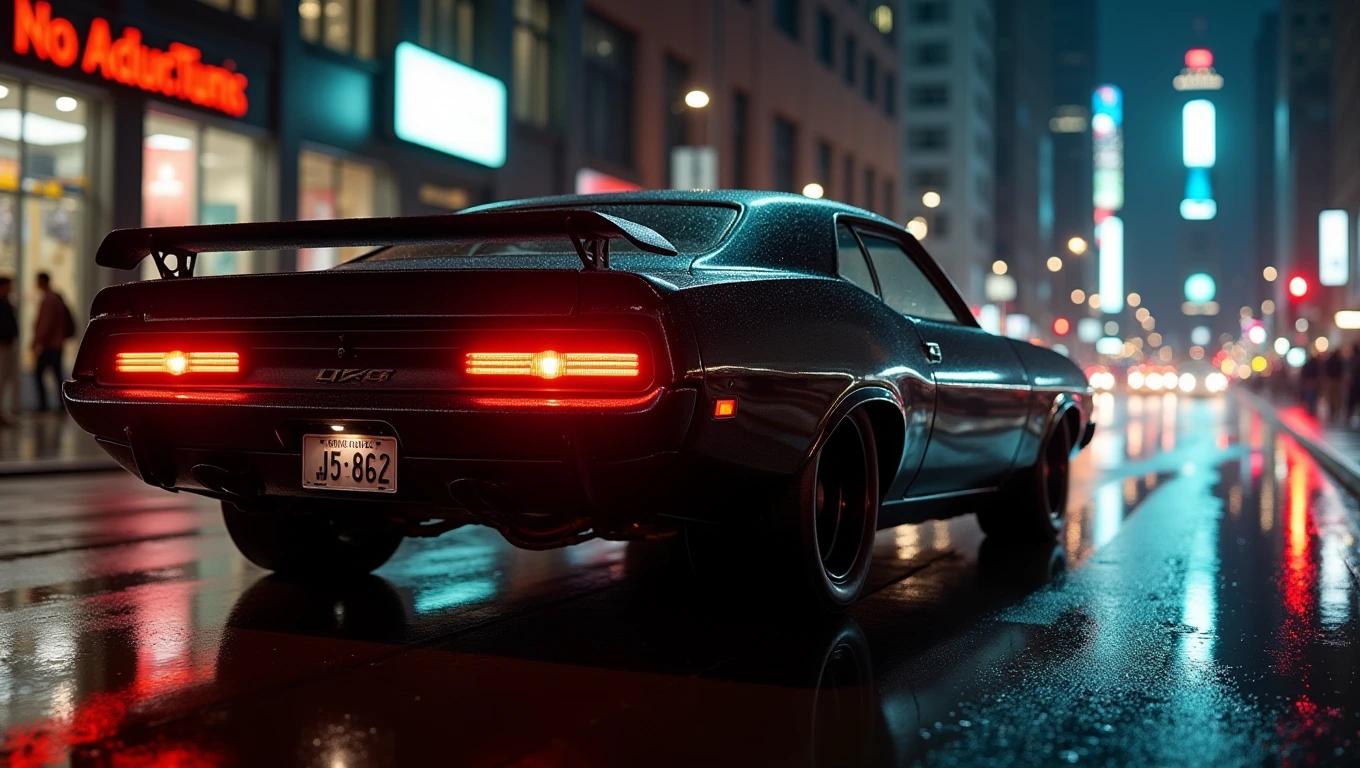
(850, 262)
(905, 287)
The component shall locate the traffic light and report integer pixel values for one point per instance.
(1061, 326)
(1298, 287)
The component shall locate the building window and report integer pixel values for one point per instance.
(345, 26)
(932, 95)
(824, 166)
(933, 137)
(533, 62)
(243, 8)
(784, 146)
(926, 179)
(677, 117)
(197, 174)
(786, 17)
(609, 68)
(890, 95)
(848, 180)
(871, 78)
(447, 27)
(930, 11)
(740, 140)
(869, 190)
(332, 188)
(45, 197)
(826, 38)
(850, 58)
(932, 54)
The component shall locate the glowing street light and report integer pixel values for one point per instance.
(1077, 246)
(931, 199)
(1079, 297)
(1270, 273)
(918, 228)
(1054, 264)
(815, 191)
(696, 99)
(999, 267)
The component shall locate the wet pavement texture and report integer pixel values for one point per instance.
(1200, 609)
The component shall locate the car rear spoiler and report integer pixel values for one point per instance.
(589, 232)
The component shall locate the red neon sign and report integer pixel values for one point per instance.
(178, 73)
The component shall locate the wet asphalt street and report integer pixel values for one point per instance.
(1201, 609)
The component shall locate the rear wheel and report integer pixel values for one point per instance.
(311, 542)
(1039, 494)
(831, 515)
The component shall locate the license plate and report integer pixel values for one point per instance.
(339, 462)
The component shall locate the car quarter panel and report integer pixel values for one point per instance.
(789, 348)
(1056, 384)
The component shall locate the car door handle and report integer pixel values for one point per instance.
(932, 351)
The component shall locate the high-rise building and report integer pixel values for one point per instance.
(1266, 52)
(1345, 114)
(1024, 159)
(1073, 37)
(1304, 152)
(948, 81)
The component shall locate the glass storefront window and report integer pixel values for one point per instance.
(44, 156)
(446, 27)
(346, 26)
(332, 188)
(198, 174)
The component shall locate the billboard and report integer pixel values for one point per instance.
(1107, 135)
(1334, 247)
(1110, 237)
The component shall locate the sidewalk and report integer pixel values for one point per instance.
(42, 443)
(1334, 446)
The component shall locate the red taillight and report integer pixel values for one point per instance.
(177, 363)
(550, 364)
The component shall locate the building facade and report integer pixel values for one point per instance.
(1266, 50)
(1024, 158)
(1073, 35)
(1345, 140)
(948, 67)
(128, 113)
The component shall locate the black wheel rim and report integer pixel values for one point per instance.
(842, 480)
(1056, 459)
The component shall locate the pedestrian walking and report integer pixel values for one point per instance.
(1310, 376)
(54, 325)
(1333, 369)
(9, 361)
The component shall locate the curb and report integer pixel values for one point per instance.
(40, 467)
(1345, 471)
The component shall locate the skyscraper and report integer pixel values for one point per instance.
(1073, 43)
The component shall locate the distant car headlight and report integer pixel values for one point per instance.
(1187, 382)
(1215, 382)
(1154, 381)
(1102, 380)
(1136, 380)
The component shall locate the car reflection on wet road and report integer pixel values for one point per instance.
(1200, 609)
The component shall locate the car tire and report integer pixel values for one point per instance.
(1039, 492)
(831, 515)
(308, 542)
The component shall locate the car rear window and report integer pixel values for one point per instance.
(691, 228)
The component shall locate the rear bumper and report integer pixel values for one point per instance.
(611, 457)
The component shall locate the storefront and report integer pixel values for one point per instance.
(109, 122)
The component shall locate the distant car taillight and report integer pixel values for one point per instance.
(177, 362)
(550, 364)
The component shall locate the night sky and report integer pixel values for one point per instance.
(1142, 47)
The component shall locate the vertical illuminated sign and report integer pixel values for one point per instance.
(1199, 142)
(1107, 133)
(1110, 235)
(1334, 247)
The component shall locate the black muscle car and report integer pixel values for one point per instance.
(728, 366)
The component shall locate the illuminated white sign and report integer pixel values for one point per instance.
(1199, 142)
(446, 106)
(1199, 74)
(1110, 235)
(1107, 136)
(1198, 210)
(1200, 288)
(1334, 247)
(1109, 346)
(1088, 329)
(1017, 326)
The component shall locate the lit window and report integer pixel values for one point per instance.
(243, 8)
(331, 188)
(533, 62)
(608, 90)
(446, 27)
(345, 26)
